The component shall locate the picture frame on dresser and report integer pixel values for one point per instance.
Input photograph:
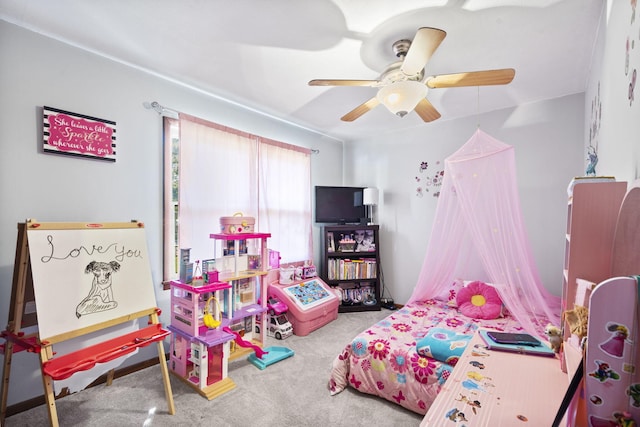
(365, 240)
(331, 243)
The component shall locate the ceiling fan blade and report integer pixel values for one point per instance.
(322, 82)
(360, 110)
(473, 78)
(424, 44)
(426, 111)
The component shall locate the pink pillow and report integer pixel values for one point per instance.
(450, 293)
(479, 301)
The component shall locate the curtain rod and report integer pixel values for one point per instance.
(162, 110)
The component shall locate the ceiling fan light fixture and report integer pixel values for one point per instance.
(402, 97)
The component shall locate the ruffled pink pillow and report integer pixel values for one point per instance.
(479, 301)
(450, 293)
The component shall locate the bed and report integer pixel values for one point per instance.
(384, 360)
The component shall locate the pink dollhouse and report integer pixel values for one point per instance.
(214, 324)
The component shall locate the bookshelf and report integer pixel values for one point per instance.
(351, 265)
(592, 212)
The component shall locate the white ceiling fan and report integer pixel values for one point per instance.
(403, 86)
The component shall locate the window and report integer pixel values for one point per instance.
(213, 171)
(170, 228)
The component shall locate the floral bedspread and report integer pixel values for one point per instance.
(383, 360)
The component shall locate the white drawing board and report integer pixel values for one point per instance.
(86, 277)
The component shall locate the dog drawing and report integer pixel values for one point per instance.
(100, 297)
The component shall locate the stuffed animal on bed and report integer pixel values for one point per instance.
(555, 337)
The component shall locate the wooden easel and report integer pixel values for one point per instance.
(22, 314)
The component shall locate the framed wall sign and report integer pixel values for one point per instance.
(78, 135)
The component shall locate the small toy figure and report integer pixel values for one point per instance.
(555, 337)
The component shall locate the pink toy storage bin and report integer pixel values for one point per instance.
(237, 224)
(307, 319)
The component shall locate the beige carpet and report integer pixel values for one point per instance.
(292, 392)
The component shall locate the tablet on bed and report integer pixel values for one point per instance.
(540, 350)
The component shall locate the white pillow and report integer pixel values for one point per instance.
(450, 293)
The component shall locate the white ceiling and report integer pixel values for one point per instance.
(262, 53)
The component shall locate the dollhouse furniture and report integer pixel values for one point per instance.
(199, 353)
(312, 304)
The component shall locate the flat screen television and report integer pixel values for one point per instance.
(339, 205)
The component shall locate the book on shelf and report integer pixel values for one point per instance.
(348, 269)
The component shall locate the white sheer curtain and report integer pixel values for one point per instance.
(224, 171)
(285, 199)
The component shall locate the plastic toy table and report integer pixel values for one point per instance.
(312, 304)
(499, 388)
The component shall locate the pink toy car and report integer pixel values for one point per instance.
(275, 306)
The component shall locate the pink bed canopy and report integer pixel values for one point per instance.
(478, 234)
